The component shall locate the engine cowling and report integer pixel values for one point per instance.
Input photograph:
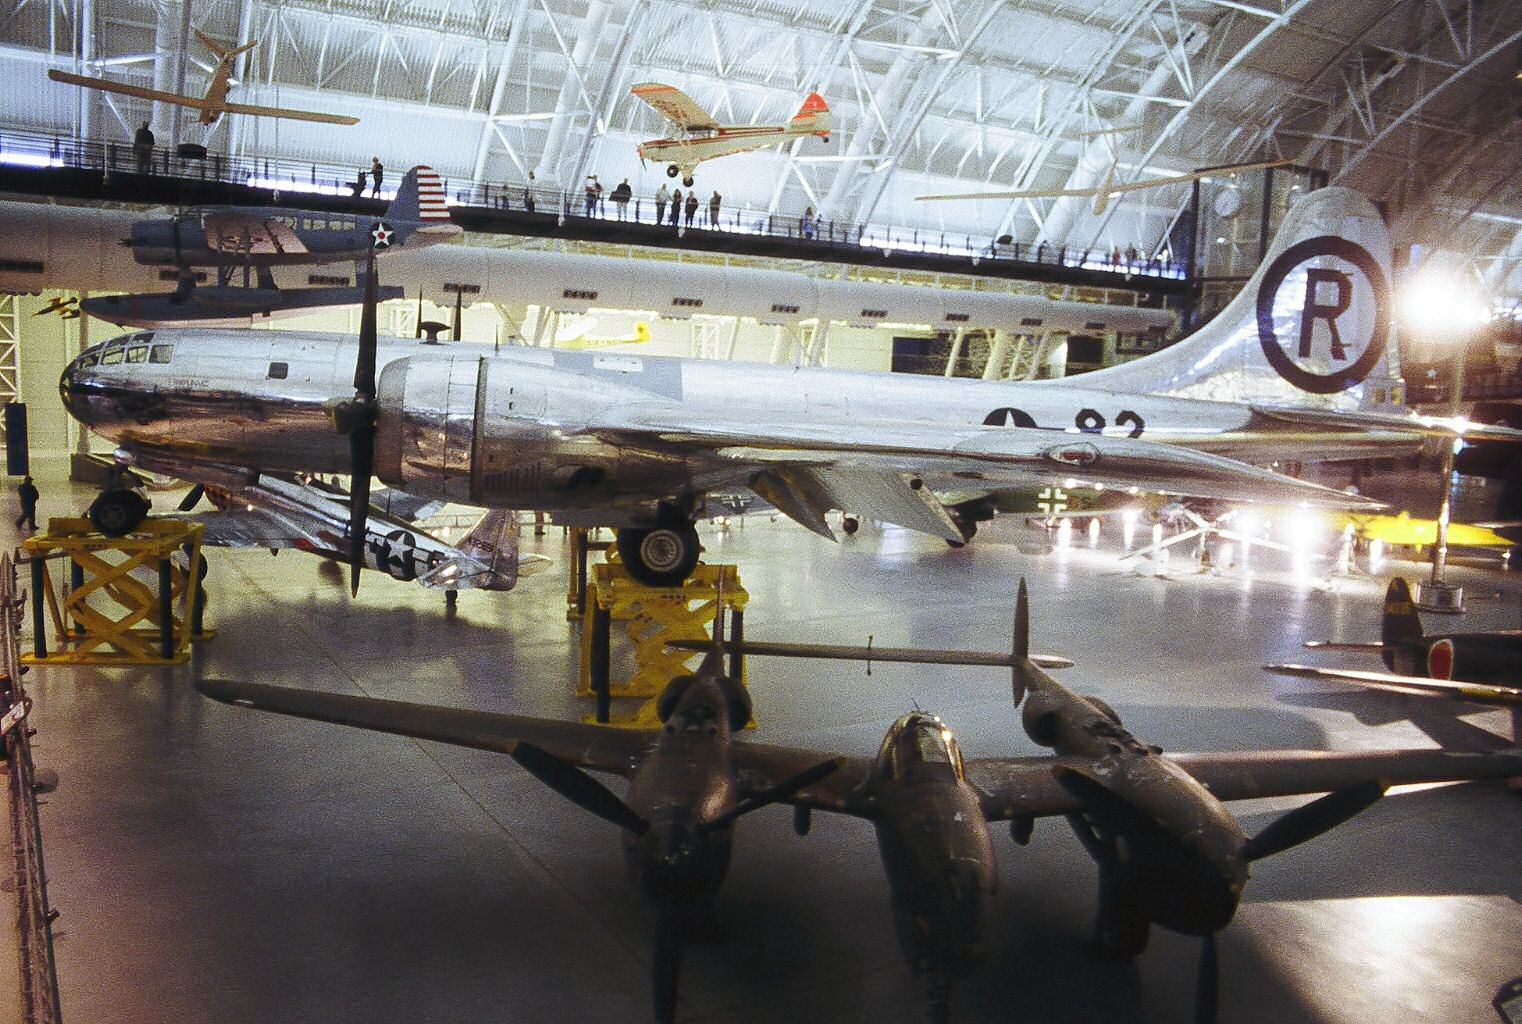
(478, 429)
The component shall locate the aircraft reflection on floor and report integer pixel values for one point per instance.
(1169, 852)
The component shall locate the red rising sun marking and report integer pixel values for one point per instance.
(1440, 660)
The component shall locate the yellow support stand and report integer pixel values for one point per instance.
(105, 615)
(654, 615)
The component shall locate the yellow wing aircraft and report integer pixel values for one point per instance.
(214, 103)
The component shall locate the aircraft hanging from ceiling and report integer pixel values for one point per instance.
(1483, 667)
(1296, 368)
(253, 239)
(48, 245)
(1107, 189)
(696, 136)
(213, 103)
(264, 236)
(1168, 850)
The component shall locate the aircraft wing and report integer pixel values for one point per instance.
(1480, 693)
(1027, 786)
(1429, 426)
(290, 115)
(889, 470)
(758, 767)
(1109, 188)
(675, 106)
(617, 751)
(122, 88)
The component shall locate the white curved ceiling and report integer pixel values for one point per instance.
(1416, 102)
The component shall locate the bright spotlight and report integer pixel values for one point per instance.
(1441, 303)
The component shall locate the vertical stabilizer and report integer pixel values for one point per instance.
(1401, 626)
(813, 116)
(420, 197)
(1311, 328)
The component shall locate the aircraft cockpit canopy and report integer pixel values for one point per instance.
(917, 741)
(128, 348)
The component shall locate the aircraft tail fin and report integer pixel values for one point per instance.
(420, 197)
(1311, 327)
(813, 116)
(493, 543)
(1401, 623)
(1022, 671)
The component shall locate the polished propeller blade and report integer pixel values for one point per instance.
(1313, 819)
(578, 787)
(192, 498)
(781, 791)
(1208, 984)
(362, 429)
(666, 964)
(362, 464)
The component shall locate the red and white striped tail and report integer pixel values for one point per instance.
(431, 200)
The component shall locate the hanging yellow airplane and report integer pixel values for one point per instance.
(214, 103)
(1107, 190)
(696, 136)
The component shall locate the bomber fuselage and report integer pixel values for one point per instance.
(523, 429)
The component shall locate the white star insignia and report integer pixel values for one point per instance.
(382, 235)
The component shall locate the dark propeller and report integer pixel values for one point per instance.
(1313, 819)
(1292, 829)
(667, 963)
(781, 791)
(578, 787)
(356, 418)
(192, 498)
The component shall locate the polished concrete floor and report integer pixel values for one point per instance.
(216, 864)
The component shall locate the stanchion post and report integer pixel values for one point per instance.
(39, 620)
(602, 628)
(166, 610)
(737, 638)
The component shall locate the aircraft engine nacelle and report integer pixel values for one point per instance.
(474, 429)
(1065, 721)
(1042, 716)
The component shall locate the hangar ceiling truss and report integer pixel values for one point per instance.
(927, 95)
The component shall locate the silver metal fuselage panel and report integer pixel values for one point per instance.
(530, 429)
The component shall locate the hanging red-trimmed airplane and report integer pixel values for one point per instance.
(1298, 366)
(213, 103)
(696, 136)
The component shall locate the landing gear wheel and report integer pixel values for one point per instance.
(672, 171)
(850, 524)
(118, 512)
(660, 557)
(687, 181)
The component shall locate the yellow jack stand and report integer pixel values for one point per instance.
(655, 615)
(106, 616)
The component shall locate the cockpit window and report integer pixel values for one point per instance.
(161, 354)
(142, 339)
(110, 357)
(915, 740)
(88, 359)
(137, 354)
